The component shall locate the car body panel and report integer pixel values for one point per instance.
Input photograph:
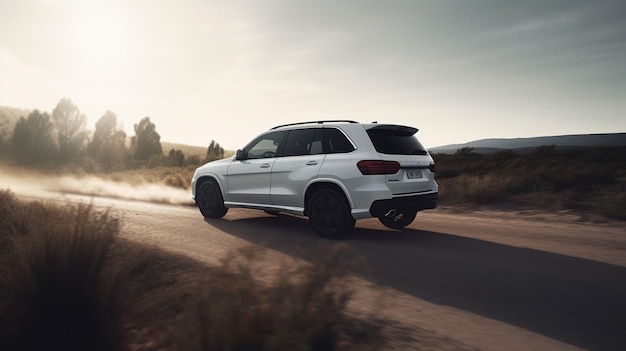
(249, 180)
(413, 177)
(290, 177)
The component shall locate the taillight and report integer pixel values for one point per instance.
(370, 167)
(431, 166)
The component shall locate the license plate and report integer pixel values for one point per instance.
(414, 173)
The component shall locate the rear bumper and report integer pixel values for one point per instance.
(405, 203)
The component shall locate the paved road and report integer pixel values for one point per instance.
(554, 277)
(579, 301)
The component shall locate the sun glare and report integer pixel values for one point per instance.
(100, 33)
(102, 57)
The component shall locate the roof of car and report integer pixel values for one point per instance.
(373, 125)
(314, 122)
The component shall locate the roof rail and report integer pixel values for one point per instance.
(315, 122)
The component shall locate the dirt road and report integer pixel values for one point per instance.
(481, 280)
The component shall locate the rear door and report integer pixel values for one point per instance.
(299, 163)
(399, 143)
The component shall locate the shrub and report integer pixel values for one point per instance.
(59, 287)
(611, 203)
(545, 176)
(177, 181)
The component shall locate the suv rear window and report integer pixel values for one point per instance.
(396, 141)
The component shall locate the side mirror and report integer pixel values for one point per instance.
(239, 155)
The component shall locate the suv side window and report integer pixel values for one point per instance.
(299, 142)
(265, 146)
(336, 142)
(316, 146)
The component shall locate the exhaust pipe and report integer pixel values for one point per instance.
(391, 213)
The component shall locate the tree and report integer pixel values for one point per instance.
(108, 144)
(71, 129)
(146, 142)
(176, 157)
(34, 140)
(214, 151)
(465, 152)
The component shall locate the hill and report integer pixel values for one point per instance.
(525, 145)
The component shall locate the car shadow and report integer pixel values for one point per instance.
(577, 301)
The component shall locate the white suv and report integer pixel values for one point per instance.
(334, 172)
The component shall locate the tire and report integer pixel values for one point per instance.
(399, 221)
(329, 214)
(210, 201)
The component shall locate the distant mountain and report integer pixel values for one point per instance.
(524, 145)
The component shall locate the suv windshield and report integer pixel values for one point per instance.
(396, 141)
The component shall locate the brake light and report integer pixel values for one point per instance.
(431, 166)
(371, 167)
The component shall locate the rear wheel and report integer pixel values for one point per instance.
(329, 214)
(210, 201)
(399, 220)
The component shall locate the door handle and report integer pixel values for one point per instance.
(265, 165)
(311, 163)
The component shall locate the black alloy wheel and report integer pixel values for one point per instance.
(209, 200)
(329, 214)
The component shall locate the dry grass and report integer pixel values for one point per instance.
(590, 181)
(68, 282)
(56, 283)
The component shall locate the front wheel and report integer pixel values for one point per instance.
(329, 214)
(210, 201)
(399, 220)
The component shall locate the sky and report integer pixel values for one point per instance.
(228, 70)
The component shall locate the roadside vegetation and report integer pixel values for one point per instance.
(60, 143)
(69, 282)
(584, 180)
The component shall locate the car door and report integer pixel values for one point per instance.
(249, 175)
(300, 162)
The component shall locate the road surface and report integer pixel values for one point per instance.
(475, 280)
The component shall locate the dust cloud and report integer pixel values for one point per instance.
(39, 184)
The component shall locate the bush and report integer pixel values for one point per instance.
(176, 181)
(58, 292)
(612, 203)
(564, 179)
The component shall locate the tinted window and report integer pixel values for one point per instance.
(395, 142)
(299, 142)
(264, 146)
(316, 145)
(336, 141)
